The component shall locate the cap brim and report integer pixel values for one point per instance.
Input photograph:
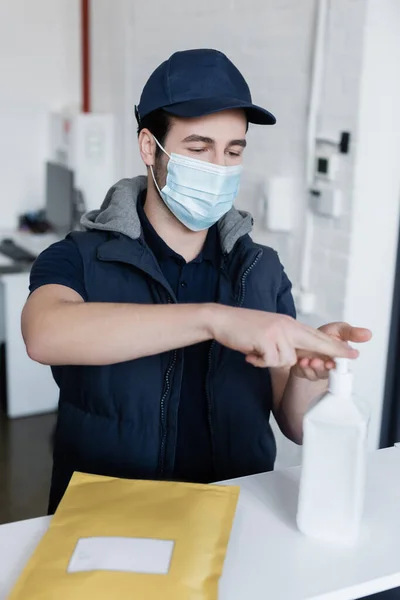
(208, 106)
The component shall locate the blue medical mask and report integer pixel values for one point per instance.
(198, 193)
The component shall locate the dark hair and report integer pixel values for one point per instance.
(158, 122)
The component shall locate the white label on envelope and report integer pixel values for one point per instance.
(129, 555)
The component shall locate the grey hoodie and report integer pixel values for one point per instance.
(119, 213)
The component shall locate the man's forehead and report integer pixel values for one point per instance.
(226, 124)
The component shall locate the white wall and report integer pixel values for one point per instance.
(39, 72)
(376, 200)
(112, 69)
(338, 112)
(273, 50)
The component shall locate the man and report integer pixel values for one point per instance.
(171, 334)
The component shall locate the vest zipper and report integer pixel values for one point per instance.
(162, 407)
(167, 387)
(209, 407)
(210, 358)
(244, 278)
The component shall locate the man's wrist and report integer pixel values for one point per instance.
(212, 315)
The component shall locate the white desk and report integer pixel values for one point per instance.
(30, 386)
(32, 242)
(268, 559)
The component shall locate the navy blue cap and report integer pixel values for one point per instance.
(195, 83)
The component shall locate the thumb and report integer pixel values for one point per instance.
(358, 335)
(256, 360)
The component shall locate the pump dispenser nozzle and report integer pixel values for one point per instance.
(342, 365)
(341, 378)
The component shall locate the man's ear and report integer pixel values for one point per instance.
(147, 147)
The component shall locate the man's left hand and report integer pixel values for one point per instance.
(317, 368)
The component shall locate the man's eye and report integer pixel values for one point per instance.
(234, 154)
(197, 150)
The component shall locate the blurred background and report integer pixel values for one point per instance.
(323, 185)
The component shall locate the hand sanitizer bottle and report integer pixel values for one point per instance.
(334, 459)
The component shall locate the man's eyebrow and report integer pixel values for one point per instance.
(198, 138)
(241, 143)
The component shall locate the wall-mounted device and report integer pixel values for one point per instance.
(85, 144)
(327, 201)
(64, 203)
(59, 198)
(342, 145)
(327, 197)
(278, 204)
(327, 166)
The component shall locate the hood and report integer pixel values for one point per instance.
(118, 213)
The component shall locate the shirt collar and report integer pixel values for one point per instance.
(211, 249)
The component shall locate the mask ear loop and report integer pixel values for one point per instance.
(154, 179)
(151, 166)
(161, 147)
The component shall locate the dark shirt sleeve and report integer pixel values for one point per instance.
(59, 264)
(285, 302)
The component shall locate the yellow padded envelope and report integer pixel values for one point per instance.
(141, 540)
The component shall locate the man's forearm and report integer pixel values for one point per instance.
(59, 328)
(100, 333)
(299, 393)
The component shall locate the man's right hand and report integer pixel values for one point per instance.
(272, 340)
(59, 328)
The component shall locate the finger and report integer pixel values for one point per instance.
(264, 357)
(320, 343)
(256, 361)
(319, 369)
(317, 364)
(307, 355)
(304, 362)
(358, 335)
(329, 365)
(335, 348)
(271, 356)
(287, 354)
(310, 374)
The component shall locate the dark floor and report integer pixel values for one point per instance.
(25, 466)
(389, 595)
